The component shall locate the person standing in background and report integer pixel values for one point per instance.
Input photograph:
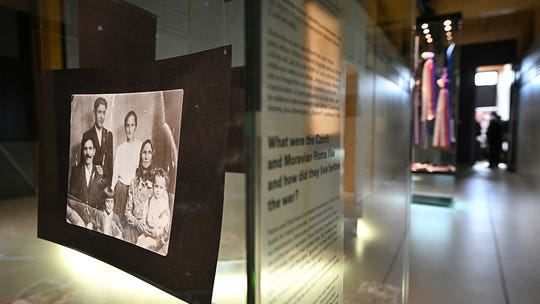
(126, 160)
(494, 137)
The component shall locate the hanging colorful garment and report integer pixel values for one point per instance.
(416, 114)
(450, 66)
(424, 135)
(428, 89)
(441, 134)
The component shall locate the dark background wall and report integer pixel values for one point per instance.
(18, 119)
(473, 56)
(17, 100)
(486, 96)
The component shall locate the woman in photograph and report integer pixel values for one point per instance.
(126, 160)
(140, 191)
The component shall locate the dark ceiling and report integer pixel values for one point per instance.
(483, 20)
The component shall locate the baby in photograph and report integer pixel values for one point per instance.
(155, 230)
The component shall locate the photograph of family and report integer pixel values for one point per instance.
(123, 164)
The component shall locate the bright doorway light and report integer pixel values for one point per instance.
(486, 78)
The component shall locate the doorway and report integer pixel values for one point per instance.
(492, 107)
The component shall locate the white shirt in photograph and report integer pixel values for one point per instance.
(126, 161)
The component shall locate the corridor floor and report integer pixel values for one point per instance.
(484, 248)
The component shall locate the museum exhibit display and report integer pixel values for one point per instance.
(297, 207)
(139, 186)
(326, 92)
(218, 152)
(435, 101)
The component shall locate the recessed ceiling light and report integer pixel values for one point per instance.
(425, 26)
(448, 28)
(430, 40)
(428, 36)
(448, 33)
(447, 22)
(426, 31)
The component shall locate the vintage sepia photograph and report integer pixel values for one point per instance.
(123, 153)
(132, 166)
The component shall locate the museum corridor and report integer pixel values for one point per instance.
(481, 249)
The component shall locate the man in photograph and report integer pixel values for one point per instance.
(86, 183)
(103, 139)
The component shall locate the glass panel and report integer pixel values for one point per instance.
(371, 143)
(376, 210)
(436, 62)
(106, 34)
(327, 169)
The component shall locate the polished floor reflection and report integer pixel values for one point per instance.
(38, 272)
(482, 249)
(375, 246)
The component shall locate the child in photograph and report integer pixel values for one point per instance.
(106, 220)
(156, 229)
(103, 220)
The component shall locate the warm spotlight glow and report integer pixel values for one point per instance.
(364, 234)
(426, 31)
(448, 34)
(449, 38)
(91, 274)
(229, 285)
(428, 36)
(448, 28)
(318, 44)
(430, 40)
(447, 22)
(425, 26)
(102, 276)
